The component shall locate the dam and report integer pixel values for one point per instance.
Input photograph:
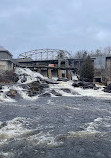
(50, 62)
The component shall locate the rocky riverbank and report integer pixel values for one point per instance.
(107, 88)
(8, 77)
(26, 84)
(85, 85)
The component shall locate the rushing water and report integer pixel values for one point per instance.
(74, 125)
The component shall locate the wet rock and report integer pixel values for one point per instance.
(75, 84)
(86, 79)
(45, 95)
(8, 77)
(88, 86)
(56, 93)
(24, 79)
(66, 90)
(51, 81)
(107, 89)
(84, 85)
(96, 88)
(35, 88)
(13, 93)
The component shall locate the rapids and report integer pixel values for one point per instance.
(31, 76)
(74, 125)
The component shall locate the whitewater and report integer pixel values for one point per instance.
(76, 124)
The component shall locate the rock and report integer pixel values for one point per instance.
(8, 77)
(86, 79)
(84, 85)
(66, 90)
(96, 88)
(51, 81)
(75, 84)
(88, 86)
(35, 88)
(62, 79)
(24, 79)
(107, 89)
(13, 93)
(56, 93)
(45, 95)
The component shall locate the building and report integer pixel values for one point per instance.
(6, 63)
(102, 67)
(99, 69)
(108, 69)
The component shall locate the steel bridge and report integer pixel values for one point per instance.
(45, 54)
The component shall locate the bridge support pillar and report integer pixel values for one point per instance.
(59, 63)
(49, 73)
(39, 70)
(59, 73)
(68, 74)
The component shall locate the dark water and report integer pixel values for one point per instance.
(59, 127)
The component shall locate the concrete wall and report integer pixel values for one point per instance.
(99, 62)
(6, 65)
(108, 64)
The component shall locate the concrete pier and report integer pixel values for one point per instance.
(49, 73)
(68, 74)
(59, 73)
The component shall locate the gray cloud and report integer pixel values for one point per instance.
(66, 24)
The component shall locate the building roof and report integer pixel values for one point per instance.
(108, 56)
(2, 49)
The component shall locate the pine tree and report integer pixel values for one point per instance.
(87, 69)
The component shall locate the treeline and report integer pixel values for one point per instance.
(98, 52)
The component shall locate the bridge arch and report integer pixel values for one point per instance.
(46, 54)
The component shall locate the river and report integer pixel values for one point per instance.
(69, 126)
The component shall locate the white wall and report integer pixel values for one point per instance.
(6, 65)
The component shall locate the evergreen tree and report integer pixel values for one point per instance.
(87, 69)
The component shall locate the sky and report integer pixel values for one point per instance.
(57, 24)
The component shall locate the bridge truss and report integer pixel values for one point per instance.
(46, 54)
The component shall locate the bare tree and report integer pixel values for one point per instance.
(81, 54)
(107, 50)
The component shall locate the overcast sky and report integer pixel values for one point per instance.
(64, 24)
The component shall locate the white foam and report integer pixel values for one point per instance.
(19, 127)
(93, 93)
(44, 139)
(4, 97)
(30, 75)
(98, 123)
(7, 154)
(13, 129)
